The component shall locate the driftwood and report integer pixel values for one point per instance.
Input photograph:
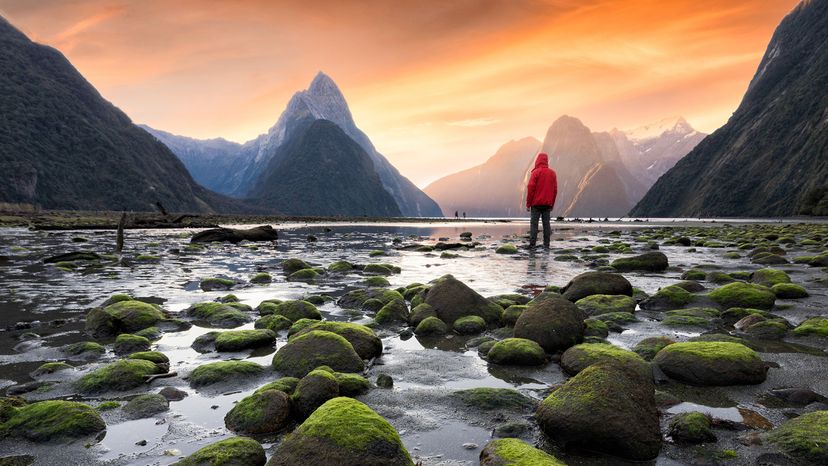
(119, 238)
(73, 256)
(150, 378)
(232, 235)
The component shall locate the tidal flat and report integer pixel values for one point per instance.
(759, 286)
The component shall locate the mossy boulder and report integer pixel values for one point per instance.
(692, 317)
(53, 420)
(769, 277)
(592, 283)
(552, 321)
(126, 343)
(452, 299)
(273, 322)
(606, 407)
(419, 313)
(294, 265)
(239, 340)
(817, 326)
(369, 299)
(216, 284)
(261, 278)
(668, 297)
(691, 286)
(494, 399)
(579, 357)
(342, 431)
(431, 326)
(340, 267)
(304, 275)
(647, 262)
(283, 384)
(365, 342)
(694, 274)
(711, 363)
(692, 427)
(377, 281)
(50, 368)
(507, 249)
(84, 349)
(220, 315)
(317, 348)
(514, 452)
(381, 269)
(297, 309)
(767, 329)
(517, 352)
(604, 303)
(236, 451)
(352, 384)
(805, 437)
(511, 314)
(595, 328)
(117, 376)
(313, 391)
(789, 291)
(122, 317)
(263, 412)
(152, 356)
(224, 371)
(649, 347)
(469, 325)
(394, 312)
(740, 294)
(146, 405)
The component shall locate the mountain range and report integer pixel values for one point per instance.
(600, 174)
(62, 146)
(241, 170)
(771, 157)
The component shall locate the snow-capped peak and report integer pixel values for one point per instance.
(653, 130)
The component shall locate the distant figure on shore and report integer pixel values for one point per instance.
(540, 199)
(456, 214)
(464, 215)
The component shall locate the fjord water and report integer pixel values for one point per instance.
(51, 303)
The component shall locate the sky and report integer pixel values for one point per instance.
(438, 85)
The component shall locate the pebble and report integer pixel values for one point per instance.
(471, 446)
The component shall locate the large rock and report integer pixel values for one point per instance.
(647, 262)
(122, 317)
(263, 412)
(146, 405)
(313, 391)
(363, 339)
(233, 235)
(343, 431)
(239, 340)
(606, 407)
(317, 348)
(711, 363)
(53, 420)
(592, 283)
(552, 321)
(517, 352)
(605, 303)
(221, 315)
(118, 376)
(579, 357)
(739, 294)
(452, 299)
(514, 452)
(236, 451)
(224, 371)
(805, 437)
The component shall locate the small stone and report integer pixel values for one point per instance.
(471, 446)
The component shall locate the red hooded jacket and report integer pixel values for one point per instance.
(543, 184)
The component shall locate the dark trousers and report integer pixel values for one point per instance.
(540, 212)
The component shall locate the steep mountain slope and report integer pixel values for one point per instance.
(236, 171)
(62, 146)
(492, 189)
(320, 170)
(771, 158)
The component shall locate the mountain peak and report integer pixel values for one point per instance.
(675, 124)
(322, 84)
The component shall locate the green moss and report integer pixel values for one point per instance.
(229, 452)
(216, 283)
(381, 269)
(789, 291)
(494, 399)
(303, 275)
(649, 347)
(284, 384)
(431, 326)
(317, 348)
(377, 281)
(363, 339)
(517, 351)
(54, 419)
(293, 265)
(394, 311)
(740, 294)
(238, 340)
(804, 437)
(340, 266)
(579, 357)
(694, 274)
(108, 406)
(813, 326)
(150, 333)
(152, 356)
(769, 277)
(675, 295)
(351, 426)
(118, 297)
(265, 411)
(514, 452)
(51, 368)
(692, 427)
(448, 255)
(119, 375)
(377, 253)
(469, 325)
(273, 322)
(713, 350)
(219, 314)
(300, 325)
(616, 317)
(419, 313)
(651, 262)
(507, 249)
(126, 343)
(511, 314)
(352, 384)
(297, 309)
(261, 277)
(685, 321)
(76, 349)
(220, 371)
(146, 405)
(602, 304)
(595, 328)
(131, 316)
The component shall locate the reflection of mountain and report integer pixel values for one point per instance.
(235, 169)
(491, 189)
(599, 174)
(771, 158)
(62, 146)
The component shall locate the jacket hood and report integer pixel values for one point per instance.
(542, 160)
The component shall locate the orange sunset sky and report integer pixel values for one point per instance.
(437, 85)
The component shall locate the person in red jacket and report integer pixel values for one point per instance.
(540, 199)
